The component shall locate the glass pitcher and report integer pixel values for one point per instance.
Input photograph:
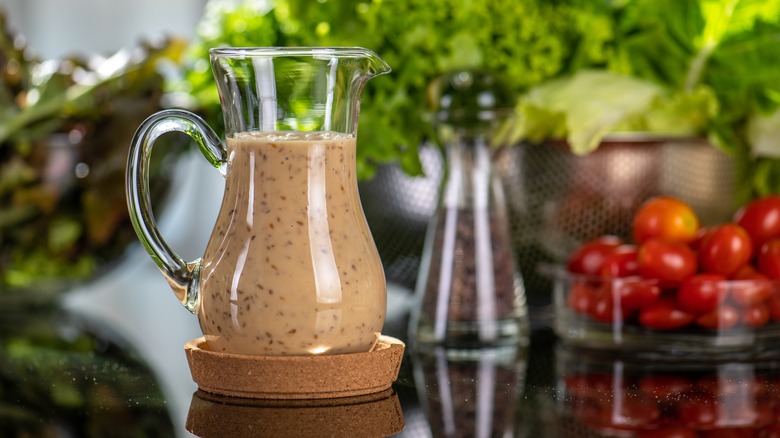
(291, 267)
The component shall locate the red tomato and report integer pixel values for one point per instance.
(768, 260)
(702, 293)
(725, 249)
(774, 307)
(761, 219)
(675, 432)
(666, 218)
(664, 314)
(722, 318)
(633, 293)
(581, 297)
(603, 307)
(621, 263)
(750, 287)
(669, 263)
(755, 316)
(589, 258)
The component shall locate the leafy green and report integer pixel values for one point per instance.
(523, 43)
(59, 225)
(713, 65)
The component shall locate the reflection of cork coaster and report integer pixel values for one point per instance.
(373, 415)
(295, 377)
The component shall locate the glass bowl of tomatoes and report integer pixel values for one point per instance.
(678, 287)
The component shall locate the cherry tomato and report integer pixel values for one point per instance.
(581, 297)
(621, 263)
(589, 257)
(674, 432)
(702, 293)
(755, 316)
(669, 263)
(633, 293)
(774, 307)
(603, 307)
(750, 287)
(761, 219)
(664, 314)
(725, 249)
(666, 218)
(768, 260)
(722, 318)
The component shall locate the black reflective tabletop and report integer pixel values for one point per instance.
(63, 375)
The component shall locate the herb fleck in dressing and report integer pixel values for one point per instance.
(291, 268)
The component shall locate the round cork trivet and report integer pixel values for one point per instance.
(373, 415)
(295, 377)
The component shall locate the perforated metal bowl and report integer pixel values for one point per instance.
(557, 200)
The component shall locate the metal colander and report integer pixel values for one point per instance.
(557, 200)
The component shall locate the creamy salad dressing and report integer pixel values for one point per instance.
(291, 268)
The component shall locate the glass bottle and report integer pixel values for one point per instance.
(469, 290)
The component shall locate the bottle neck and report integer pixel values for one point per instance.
(469, 181)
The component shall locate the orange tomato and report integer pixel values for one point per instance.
(665, 218)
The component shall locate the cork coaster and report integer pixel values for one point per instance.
(373, 415)
(295, 377)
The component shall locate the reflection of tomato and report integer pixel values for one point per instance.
(698, 411)
(664, 314)
(669, 263)
(750, 287)
(589, 257)
(666, 218)
(664, 387)
(630, 411)
(677, 432)
(621, 263)
(724, 317)
(768, 259)
(701, 293)
(761, 219)
(725, 249)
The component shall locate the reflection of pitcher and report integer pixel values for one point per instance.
(291, 268)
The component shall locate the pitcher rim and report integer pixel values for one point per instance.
(338, 51)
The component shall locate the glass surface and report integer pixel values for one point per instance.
(63, 376)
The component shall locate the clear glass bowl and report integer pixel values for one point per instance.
(609, 313)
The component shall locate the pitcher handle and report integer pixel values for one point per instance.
(182, 276)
